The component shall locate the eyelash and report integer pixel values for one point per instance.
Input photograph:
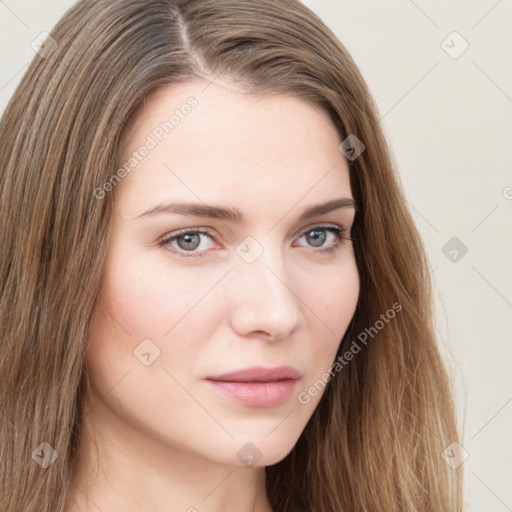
(337, 231)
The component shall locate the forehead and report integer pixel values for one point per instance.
(213, 142)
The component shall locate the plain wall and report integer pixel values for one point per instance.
(448, 118)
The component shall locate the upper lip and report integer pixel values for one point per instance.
(258, 374)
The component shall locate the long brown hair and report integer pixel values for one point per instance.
(375, 441)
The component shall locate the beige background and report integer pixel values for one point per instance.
(448, 117)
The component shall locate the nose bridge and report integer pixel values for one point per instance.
(262, 295)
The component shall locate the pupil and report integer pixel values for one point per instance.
(318, 238)
(190, 241)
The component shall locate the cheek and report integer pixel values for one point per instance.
(142, 300)
(150, 317)
(333, 298)
(149, 297)
(332, 304)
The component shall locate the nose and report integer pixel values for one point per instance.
(262, 299)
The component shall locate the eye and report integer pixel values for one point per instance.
(187, 241)
(316, 236)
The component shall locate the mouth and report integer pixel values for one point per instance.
(257, 386)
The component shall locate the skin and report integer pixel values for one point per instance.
(167, 441)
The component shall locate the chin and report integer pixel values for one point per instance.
(263, 452)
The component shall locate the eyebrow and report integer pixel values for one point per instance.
(235, 215)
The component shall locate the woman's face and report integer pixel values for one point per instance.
(261, 285)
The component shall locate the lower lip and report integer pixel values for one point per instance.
(257, 394)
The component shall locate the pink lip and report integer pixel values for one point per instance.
(257, 386)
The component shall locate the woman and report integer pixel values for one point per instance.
(213, 294)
